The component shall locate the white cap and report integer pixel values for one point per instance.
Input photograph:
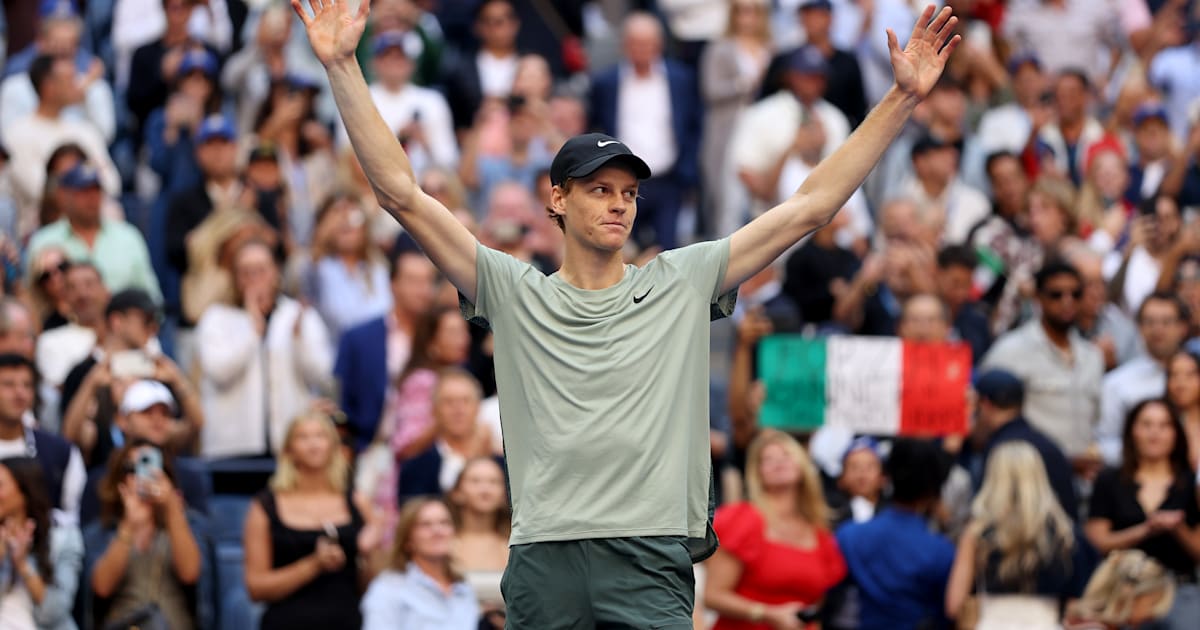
(144, 394)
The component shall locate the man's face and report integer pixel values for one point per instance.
(83, 204)
(497, 25)
(60, 38)
(393, 68)
(86, 294)
(600, 209)
(643, 44)
(923, 319)
(152, 425)
(415, 283)
(1028, 84)
(1153, 140)
(20, 337)
(1060, 299)
(1010, 187)
(133, 328)
(816, 23)
(1095, 291)
(177, 12)
(862, 474)
(808, 87)
(954, 286)
(937, 165)
(217, 158)
(1070, 98)
(16, 394)
(1162, 329)
(456, 407)
(60, 87)
(255, 273)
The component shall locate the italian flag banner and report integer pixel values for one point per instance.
(870, 385)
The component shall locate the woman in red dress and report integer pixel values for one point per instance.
(777, 556)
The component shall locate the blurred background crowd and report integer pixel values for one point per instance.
(233, 392)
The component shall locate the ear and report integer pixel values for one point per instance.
(558, 201)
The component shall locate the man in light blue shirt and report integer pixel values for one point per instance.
(114, 247)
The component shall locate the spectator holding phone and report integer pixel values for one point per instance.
(421, 590)
(45, 558)
(1149, 503)
(151, 560)
(124, 354)
(305, 534)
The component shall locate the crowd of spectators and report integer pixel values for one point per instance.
(234, 392)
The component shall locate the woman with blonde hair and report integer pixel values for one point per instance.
(305, 533)
(483, 520)
(348, 281)
(1020, 550)
(1052, 215)
(1128, 589)
(777, 557)
(421, 590)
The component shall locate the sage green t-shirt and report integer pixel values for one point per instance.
(604, 394)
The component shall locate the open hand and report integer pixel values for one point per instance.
(333, 31)
(18, 538)
(920, 64)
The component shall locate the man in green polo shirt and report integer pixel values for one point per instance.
(601, 367)
(115, 248)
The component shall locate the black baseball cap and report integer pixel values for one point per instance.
(584, 154)
(1001, 388)
(132, 300)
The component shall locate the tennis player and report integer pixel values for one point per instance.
(602, 367)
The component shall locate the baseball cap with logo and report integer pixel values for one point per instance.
(81, 176)
(808, 59)
(215, 126)
(198, 59)
(585, 154)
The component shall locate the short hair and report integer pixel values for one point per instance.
(1078, 74)
(456, 373)
(995, 157)
(11, 361)
(84, 264)
(7, 304)
(484, 3)
(917, 469)
(1181, 308)
(394, 264)
(39, 71)
(1056, 267)
(957, 256)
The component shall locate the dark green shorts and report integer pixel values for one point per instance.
(638, 583)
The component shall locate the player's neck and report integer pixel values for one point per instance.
(591, 269)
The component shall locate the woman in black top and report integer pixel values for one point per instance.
(304, 535)
(1149, 503)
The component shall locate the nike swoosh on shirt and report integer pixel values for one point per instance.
(604, 143)
(638, 300)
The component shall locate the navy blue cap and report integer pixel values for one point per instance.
(57, 9)
(301, 82)
(1019, 59)
(815, 4)
(808, 60)
(1001, 388)
(198, 59)
(584, 154)
(216, 126)
(1149, 111)
(82, 175)
(863, 443)
(406, 42)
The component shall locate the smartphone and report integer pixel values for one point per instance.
(131, 364)
(809, 614)
(330, 531)
(148, 464)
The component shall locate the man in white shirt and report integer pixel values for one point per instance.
(766, 130)
(940, 195)
(1163, 323)
(1008, 127)
(488, 72)
(417, 115)
(59, 34)
(32, 138)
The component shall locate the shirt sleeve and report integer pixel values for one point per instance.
(496, 277)
(381, 608)
(1103, 501)
(704, 265)
(740, 530)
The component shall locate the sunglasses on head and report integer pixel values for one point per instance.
(50, 271)
(1058, 294)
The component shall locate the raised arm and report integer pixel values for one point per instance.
(917, 68)
(334, 31)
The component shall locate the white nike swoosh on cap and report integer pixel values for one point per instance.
(604, 143)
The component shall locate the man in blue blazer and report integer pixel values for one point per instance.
(373, 353)
(652, 105)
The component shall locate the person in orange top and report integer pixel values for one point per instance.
(777, 557)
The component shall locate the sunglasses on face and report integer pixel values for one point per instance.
(1058, 294)
(60, 268)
